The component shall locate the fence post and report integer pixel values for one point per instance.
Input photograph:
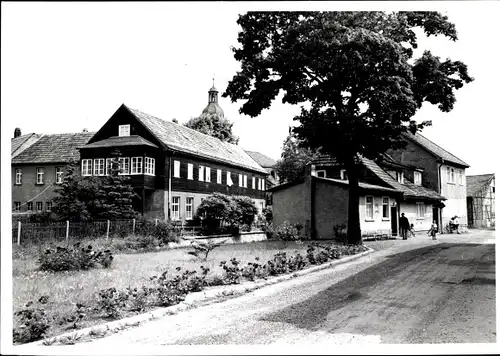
(107, 230)
(67, 230)
(133, 227)
(156, 222)
(19, 232)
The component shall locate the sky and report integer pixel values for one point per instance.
(69, 66)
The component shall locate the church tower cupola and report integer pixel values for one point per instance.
(213, 96)
(213, 107)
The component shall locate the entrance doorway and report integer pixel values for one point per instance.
(394, 220)
(435, 215)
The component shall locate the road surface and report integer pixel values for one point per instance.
(414, 291)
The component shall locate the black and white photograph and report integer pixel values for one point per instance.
(229, 177)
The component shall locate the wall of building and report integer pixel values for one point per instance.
(293, 204)
(331, 204)
(154, 204)
(482, 206)
(456, 196)
(28, 190)
(378, 223)
(410, 211)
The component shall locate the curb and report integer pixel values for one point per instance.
(206, 296)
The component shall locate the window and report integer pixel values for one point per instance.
(253, 182)
(201, 169)
(321, 174)
(39, 175)
(258, 183)
(48, 206)
(39, 206)
(343, 174)
(17, 206)
(460, 177)
(175, 208)
(208, 176)
(228, 179)
(86, 167)
(448, 176)
(385, 208)
(219, 176)
(240, 180)
(99, 166)
(263, 184)
(189, 208)
(59, 175)
(124, 130)
(177, 169)
(400, 177)
(453, 176)
(493, 189)
(136, 165)
(369, 207)
(30, 206)
(19, 176)
(420, 210)
(124, 166)
(149, 166)
(417, 178)
(245, 185)
(261, 204)
(190, 171)
(109, 166)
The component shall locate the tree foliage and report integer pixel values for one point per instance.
(215, 126)
(354, 75)
(294, 159)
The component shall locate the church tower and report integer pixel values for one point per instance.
(213, 103)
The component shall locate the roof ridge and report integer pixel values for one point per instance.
(417, 133)
(480, 175)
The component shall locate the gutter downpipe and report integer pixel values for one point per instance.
(440, 193)
(169, 185)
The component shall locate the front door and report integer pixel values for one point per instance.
(394, 221)
(435, 215)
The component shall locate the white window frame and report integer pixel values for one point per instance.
(453, 181)
(253, 182)
(245, 181)
(219, 176)
(190, 171)
(448, 175)
(460, 177)
(240, 180)
(124, 166)
(28, 205)
(17, 206)
(384, 203)
(19, 176)
(149, 166)
(321, 173)
(417, 178)
(208, 175)
(400, 177)
(108, 166)
(99, 168)
(40, 172)
(261, 204)
(262, 184)
(201, 171)
(86, 167)
(229, 180)
(343, 174)
(138, 166)
(39, 204)
(368, 216)
(123, 130)
(176, 202)
(420, 210)
(189, 203)
(177, 169)
(48, 206)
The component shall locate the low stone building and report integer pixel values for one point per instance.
(481, 200)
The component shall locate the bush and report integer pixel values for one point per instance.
(232, 273)
(202, 249)
(287, 232)
(267, 212)
(33, 321)
(112, 302)
(278, 265)
(161, 230)
(74, 258)
(340, 233)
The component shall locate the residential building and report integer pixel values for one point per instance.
(172, 167)
(441, 171)
(268, 164)
(38, 166)
(481, 200)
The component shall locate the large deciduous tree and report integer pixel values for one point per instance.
(293, 161)
(215, 126)
(355, 75)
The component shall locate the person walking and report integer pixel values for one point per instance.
(433, 230)
(405, 226)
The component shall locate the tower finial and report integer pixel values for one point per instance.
(213, 82)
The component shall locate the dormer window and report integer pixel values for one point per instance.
(417, 178)
(124, 130)
(400, 177)
(321, 174)
(343, 174)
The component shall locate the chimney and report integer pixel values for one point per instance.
(85, 130)
(17, 132)
(174, 120)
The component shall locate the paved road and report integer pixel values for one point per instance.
(415, 291)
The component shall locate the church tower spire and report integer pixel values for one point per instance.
(213, 94)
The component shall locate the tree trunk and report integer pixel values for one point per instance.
(353, 224)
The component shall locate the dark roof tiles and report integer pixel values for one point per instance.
(261, 159)
(476, 183)
(116, 141)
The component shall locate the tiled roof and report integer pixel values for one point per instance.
(476, 183)
(435, 149)
(17, 144)
(261, 159)
(116, 141)
(184, 139)
(57, 148)
(361, 184)
(409, 190)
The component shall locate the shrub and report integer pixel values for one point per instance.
(74, 258)
(267, 212)
(202, 249)
(278, 265)
(33, 321)
(287, 232)
(296, 262)
(254, 270)
(112, 302)
(245, 210)
(161, 230)
(340, 233)
(139, 299)
(232, 273)
(171, 291)
(77, 315)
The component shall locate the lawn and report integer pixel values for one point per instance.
(65, 289)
